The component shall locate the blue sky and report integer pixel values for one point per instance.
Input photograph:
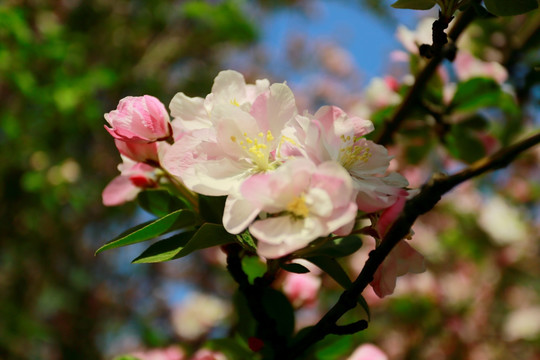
(368, 38)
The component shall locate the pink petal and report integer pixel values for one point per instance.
(119, 191)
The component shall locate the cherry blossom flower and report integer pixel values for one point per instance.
(214, 161)
(229, 88)
(298, 203)
(134, 178)
(139, 119)
(331, 135)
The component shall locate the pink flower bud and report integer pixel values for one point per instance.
(140, 119)
(140, 152)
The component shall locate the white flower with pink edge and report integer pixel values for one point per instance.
(215, 161)
(297, 203)
(332, 135)
(229, 87)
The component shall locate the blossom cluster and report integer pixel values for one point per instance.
(288, 177)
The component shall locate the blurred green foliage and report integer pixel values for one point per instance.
(62, 65)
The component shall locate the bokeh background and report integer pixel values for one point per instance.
(64, 63)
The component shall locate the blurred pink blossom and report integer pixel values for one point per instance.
(467, 66)
(368, 352)
(302, 289)
(170, 353)
(205, 354)
(198, 314)
(401, 260)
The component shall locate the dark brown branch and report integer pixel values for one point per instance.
(428, 197)
(413, 95)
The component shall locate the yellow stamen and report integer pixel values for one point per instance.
(298, 208)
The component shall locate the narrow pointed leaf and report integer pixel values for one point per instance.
(333, 268)
(208, 235)
(294, 268)
(176, 220)
(414, 4)
(159, 202)
(339, 247)
(164, 250)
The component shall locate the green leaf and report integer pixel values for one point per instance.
(245, 324)
(246, 240)
(159, 202)
(334, 347)
(164, 250)
(339, 247)
(176, 220)
(126, 357)
(208, 235)
(333, 268)
(510, 7)
(253, 267)
(474, 122)
(476, 93)
(414, 4)
(211, 208)
(294, 268)
(277, 304)
(464, 145)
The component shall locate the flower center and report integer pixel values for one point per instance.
(352, 154)
(298, 208)
(257, 150)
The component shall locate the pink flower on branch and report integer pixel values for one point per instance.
(140, 119)
(297, 203)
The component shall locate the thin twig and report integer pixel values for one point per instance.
(428, 197)
(413, 95)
